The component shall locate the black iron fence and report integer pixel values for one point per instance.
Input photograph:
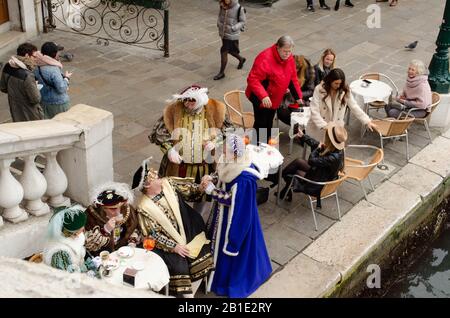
(142, 23)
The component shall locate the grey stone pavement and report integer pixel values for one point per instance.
(134, 83)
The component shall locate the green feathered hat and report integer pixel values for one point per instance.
(67, 219)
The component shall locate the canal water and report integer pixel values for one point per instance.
(429, 277)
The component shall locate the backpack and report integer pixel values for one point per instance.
(239, 15)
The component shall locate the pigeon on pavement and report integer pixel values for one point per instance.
(412, 45)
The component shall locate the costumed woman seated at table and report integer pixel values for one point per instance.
(178, 229)
(240, 253)
(416, 93)
(324, 163)
(111, 220)
(64, 248)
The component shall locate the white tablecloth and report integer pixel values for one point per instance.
(376, 91)
(266, 158)
(300, 118)
(155, 271)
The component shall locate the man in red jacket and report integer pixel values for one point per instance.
(272, 74)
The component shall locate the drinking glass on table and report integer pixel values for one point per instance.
(149, 243)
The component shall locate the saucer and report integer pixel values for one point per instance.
(125, 251)
(112, 264)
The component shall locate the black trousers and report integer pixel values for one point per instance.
(264, 120)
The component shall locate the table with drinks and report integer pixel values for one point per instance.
(149, 269)
(268, 159)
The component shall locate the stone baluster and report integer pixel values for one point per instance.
(56, 181)
(34, 186)
(11, 194)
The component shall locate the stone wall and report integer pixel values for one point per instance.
(24, 279)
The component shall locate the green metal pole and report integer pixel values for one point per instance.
(439, 77)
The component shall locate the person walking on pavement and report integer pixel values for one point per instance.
(231, 22)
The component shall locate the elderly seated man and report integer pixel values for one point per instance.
(179, 230)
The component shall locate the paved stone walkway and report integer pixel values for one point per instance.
(134, 83)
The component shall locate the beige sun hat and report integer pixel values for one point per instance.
(337, 134)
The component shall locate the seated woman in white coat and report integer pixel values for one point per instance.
(329, 104)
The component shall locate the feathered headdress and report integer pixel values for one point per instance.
(70, 219)
(143, 173)
(195, 92)
(111, 193)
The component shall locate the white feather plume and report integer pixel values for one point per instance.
(56, 222)
(121, 189)
(145, 164)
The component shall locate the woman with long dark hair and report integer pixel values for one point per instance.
(329, 104)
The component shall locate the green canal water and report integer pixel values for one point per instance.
(429, 277)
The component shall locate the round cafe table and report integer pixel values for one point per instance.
(268, 159)
(375, 91)
(154, 275)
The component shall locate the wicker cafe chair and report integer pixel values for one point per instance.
(329, 190)
(379, 77)
(235, 109)
(436, 99)
(358, 170)
(389, 128)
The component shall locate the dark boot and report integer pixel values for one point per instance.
(241, 63)
(283, 193)
(348, 4)
(336, 6)
(273, 177)
(323, 5)
(223, 64)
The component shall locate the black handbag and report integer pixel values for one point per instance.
(262, 195)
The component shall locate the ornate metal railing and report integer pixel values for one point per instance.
(142, 23)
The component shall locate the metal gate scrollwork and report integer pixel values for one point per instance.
(145, 25)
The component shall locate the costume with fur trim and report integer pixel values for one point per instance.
(240, 254)
(171, 221)
(65, 253)
(191, 147)
(122, 235)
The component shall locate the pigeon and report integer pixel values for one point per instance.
(67, 56)
(412, 45)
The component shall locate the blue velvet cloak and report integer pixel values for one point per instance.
(243, 263)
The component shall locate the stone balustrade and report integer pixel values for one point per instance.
(77, 147)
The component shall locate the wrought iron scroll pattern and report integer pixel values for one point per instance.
(110, 21)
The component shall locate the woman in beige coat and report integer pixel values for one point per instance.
(329, 104)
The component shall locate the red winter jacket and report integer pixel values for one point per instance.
(271, 76)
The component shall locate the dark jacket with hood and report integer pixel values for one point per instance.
(19, 83)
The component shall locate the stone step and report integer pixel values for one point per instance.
(10, 40)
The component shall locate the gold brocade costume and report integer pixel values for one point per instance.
(189, 133)
(171, 221)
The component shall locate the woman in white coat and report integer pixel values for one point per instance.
(329, 104)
